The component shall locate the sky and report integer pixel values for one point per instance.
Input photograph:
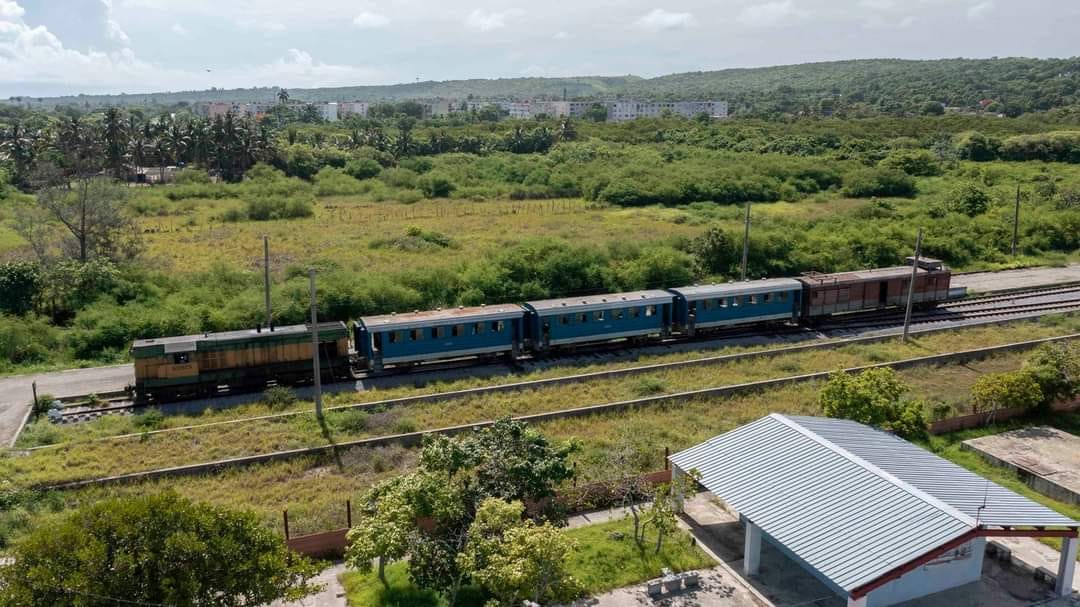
(52, 47)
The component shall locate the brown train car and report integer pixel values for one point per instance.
(827, 294)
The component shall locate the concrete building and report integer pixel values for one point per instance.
(328, 111)
(873, 517)
(353, 108)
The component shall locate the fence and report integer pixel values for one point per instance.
(986, 418)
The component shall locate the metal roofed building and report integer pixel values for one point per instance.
(877, 519)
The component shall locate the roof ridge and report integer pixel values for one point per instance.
(904, 485)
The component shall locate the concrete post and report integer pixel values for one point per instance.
(1066, 567)
(854, 602)
(752, 549)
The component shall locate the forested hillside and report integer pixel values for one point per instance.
(871, 86)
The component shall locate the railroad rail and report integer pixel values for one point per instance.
(414, 438)
(983, 307)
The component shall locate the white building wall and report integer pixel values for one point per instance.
(329, 112)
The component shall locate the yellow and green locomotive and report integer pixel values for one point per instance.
(198, 366)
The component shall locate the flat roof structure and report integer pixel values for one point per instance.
(816, 278)
(860, 507)
(442, 316)
(200, 341)
(600, 302)
(746, 287)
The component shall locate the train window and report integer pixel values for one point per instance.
(376, 342)
(650, 310)
(783, 296)
(735, 301)
(394, 336)
(416, 334)
(635, 312)
(457, 330)
(583, 317)
(751, 300)
(598, 315)
(722, 302)
(477, 328)
(564, 319)
(618, 314)
(181, 358)
(768, 298)
(497, 326)
(704, 304)
(438, 332)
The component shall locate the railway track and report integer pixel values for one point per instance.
(985, 308)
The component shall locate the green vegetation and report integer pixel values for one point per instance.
(159, 549)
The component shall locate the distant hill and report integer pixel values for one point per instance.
(873, 85)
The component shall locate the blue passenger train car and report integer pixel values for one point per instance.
(735, 303)
(393, 339)
(558, 322)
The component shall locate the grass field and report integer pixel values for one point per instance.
(606, 557)
(80, 457)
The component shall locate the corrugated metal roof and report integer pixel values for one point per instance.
(847, 517)
(242, 334)
(946, 481)
(748, 287)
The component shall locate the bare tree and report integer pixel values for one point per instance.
(91, 210)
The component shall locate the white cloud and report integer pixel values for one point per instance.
(980, 10)
(561, 35)
(9, 9)
(116, 32)
(370, 20)
(179, 30)
(485, 21)
(770, 13)
(659, 19)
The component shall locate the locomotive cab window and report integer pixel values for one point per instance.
(181, 358)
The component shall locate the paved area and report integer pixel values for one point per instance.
(980, 282)
(16, 392)
(1029, 554)
(332, 594)
(1046, 458)
(718, 587)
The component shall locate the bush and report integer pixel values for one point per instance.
(1056, 368)
(865, 183)
(873, 397)
(362, 168)
(192, 175)
(150, 420)
(435, 185)
(279, 397)
(336, 182)
(266, 208)
(1012, 389)
(968, 198)
(913, 162)
(399, 178)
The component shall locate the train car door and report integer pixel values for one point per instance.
(883, 293)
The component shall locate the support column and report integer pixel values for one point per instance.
(752, 549)
(854, 602)
(1066, 567)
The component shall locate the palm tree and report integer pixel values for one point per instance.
(115, 140)
(178, 141)
(17, 144)
(198, 134)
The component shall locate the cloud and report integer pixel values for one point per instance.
(770, 13)
(561, 35)
(116, 32)
(659, 19)
(485, 21)
(370, 20)
(9, 9)
(269, 27)
(179, 29)
(878, 22)
(980, 10)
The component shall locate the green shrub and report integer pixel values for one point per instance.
(1011, 389)
(336, 182)
(435, 185)
(913, 162)
(865, 183)
(353, 421)
(362, 168)
(1056, 368)
(968, 198)
(399, 178)
(150, 420)
(279, 397)
(266, 208)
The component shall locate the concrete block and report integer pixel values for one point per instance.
(1043, 574)
(999, 551)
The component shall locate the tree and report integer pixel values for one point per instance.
(91, 211)
(155, 549)
(18, 145)
(873, 397)
(115, 140)
(969, 198)
(1054, 366)
(933, 108)
(283, 96)
(597, 112)
(384, 529)
(716, 251)
(20, 282)
(1006, 390)
(517, 559)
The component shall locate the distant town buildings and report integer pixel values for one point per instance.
(619, 110)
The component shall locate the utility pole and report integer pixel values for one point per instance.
(1016, 222)
(266, 281)
(315, 347)
(33, 386)
(746, 241)
(911, 285)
